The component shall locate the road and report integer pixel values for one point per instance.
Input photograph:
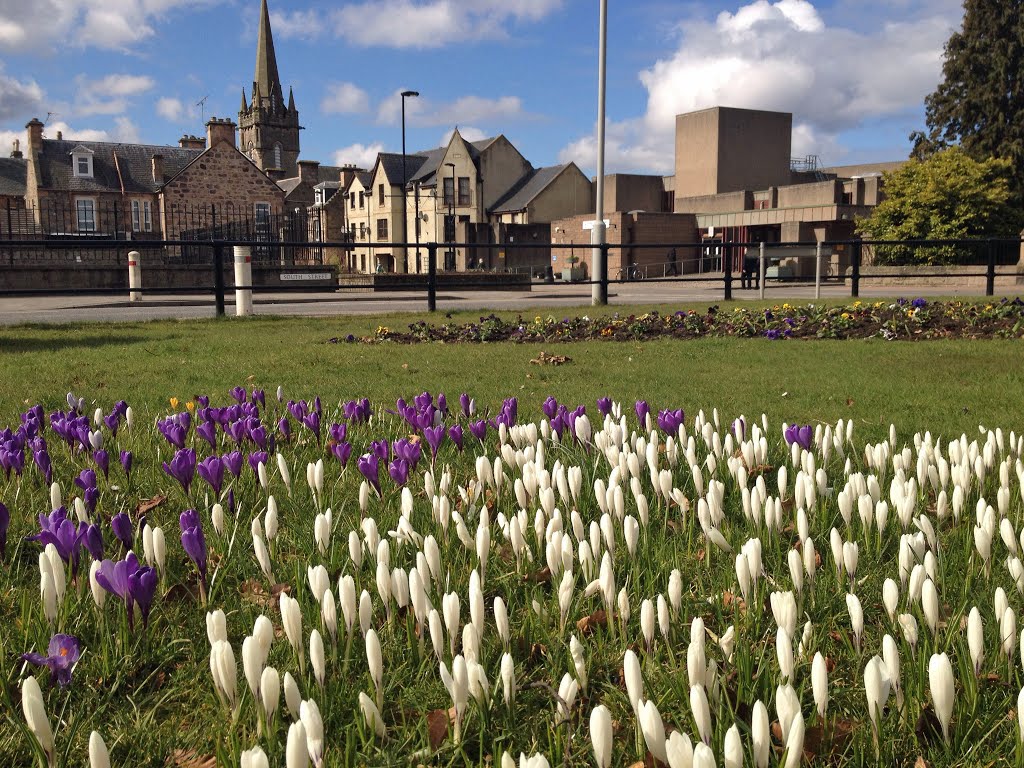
(81, 308)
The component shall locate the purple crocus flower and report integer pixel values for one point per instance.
(182, 467)
(208, 431)
(259, 396)
(604, 406)
(171, 429)
(102, 459)
(442, 404)
(255, 459)
(5, 524)
(121, 525)
(642, 410)
(399, 471)
(193, 541)
(239, 394)
(65, 536)
(258, 433)
(369, 466)
(467, 405)
(341, 452)
(211, 469)
(550, 407)
(203, 401)
(312, 422)
(381, 449)
(113, 421)
(142, 586)
(86, 479)
(338, 432)
(61, 657)
(802, 435)
(285, 428)
(92, 538)
(233, 462)
(408, 450)
(669, 420)
(42, 459)
(434, 437)
(126, 463)
(478, 429)
(455, 435)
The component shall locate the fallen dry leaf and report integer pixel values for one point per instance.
(437, 725)
(145, 505)
(545, 359)
(588, 624)
(189, 758)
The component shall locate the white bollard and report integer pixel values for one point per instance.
(243, 277)
(134, 276)
(762, 269)
(817, 271)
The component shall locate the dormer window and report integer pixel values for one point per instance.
(318, 196)
(81, 162)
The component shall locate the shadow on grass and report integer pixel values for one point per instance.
(15, 343)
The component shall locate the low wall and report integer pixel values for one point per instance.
(967, 276)
(85, 278)
(446, 281)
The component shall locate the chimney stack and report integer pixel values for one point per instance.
(218, 131)
(35, 135)
(191, 142)
(16, 151)
(308, 171)
(158, 169)
(347, 173)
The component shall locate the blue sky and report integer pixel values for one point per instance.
(853, 72)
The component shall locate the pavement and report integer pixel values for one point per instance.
(108, 308)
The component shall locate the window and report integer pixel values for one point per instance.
(362, 199)
(262, 211)
(142, 216)
(81, 162)
(318, 196)
(362, 230)
(277, 156)
(382, 228)
(463, 190)
(449, 191)
(86, 210)
(380, 194)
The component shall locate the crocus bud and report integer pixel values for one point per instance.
(270, 691)
(940, 681)
(254, 758)
(653, 729)
(292, 697)
(761, 734)
(317, 658)
(819, 684)
(371, 714)
(35, 716)
(98, 755)
(601, 735)
(296, 752)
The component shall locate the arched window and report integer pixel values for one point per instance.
(277, 155)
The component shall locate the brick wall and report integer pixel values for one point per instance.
(223, 178)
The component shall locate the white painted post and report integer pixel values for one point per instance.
(761, 269)
(817, 271)
(134, 277)
(243, 277)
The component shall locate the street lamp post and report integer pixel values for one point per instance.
(405, 202)
(599, 288)
(451, 211)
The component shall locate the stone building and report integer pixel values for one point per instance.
(268, 128)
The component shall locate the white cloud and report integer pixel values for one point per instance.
(75, 134)
(345, 98)
(305, 25)
(362, 155)
(780, 56)
(112, 24)
(173, 110)
(109, 95)
(126, 131)
(18, 98)
(435, 23)
(466, 109)
(468, 132)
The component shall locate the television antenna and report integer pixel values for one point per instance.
(49, 115)
(202, 108)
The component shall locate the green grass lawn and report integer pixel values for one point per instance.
(149, 693)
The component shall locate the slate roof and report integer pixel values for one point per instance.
(134, 160)
(328, 173)
(13, 172)
(429, 167)
(289, 185)
(392, 164)
(527, 188)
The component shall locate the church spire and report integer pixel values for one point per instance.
(266, 81)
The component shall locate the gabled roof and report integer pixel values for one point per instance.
(527, 188)
(428, 169)
(392, 165)
(13, 174)
(135, 162)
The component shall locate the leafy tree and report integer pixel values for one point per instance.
(947, 196)
(980, 102)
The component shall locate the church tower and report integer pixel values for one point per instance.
(268, 129)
